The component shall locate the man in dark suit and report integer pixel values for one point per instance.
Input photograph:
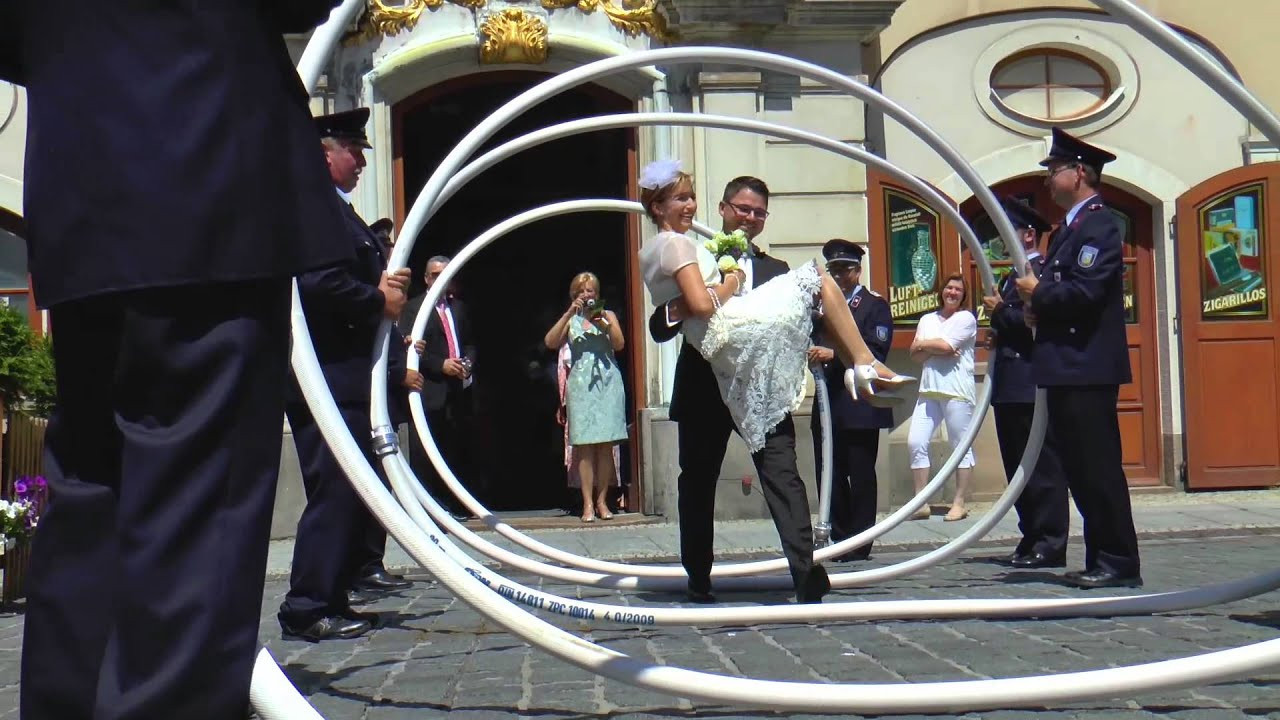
(1043, 518)
(1082, 358)
(167, 281)
(344, 305)
(448, 358)
(704, 426)
(855, 424)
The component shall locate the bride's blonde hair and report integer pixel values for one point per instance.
(652, 196)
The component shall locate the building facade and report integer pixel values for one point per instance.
(1195, 185)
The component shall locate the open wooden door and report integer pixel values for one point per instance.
(1230, 332)
(1138, 404)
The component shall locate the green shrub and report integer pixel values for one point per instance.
(26, 365)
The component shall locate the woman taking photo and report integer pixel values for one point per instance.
(595, 400)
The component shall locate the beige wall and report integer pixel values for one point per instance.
(1242, 30)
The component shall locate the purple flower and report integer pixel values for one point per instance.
(40, 481)
(20, 487)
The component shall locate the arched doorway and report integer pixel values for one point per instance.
(1138, 404)
(518, 287)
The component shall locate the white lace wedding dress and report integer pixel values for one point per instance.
(755, 342)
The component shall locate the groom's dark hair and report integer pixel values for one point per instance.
(745, 182)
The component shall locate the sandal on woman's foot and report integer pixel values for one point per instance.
(922, 514)
(955, 514)
(604, 514)
(588, 518)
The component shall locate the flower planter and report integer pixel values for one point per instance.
(15, 561)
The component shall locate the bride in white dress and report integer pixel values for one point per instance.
(755, 342)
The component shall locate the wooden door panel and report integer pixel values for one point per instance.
(1239, 429)
(1227, 263)
(1133, 449)
(1132, 392)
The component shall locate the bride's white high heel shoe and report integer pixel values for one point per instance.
(876, 390)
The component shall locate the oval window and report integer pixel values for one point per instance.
(1050, 84)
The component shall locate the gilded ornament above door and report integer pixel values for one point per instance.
(633, 17)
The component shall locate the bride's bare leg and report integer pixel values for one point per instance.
(838, 321)
(839, 324)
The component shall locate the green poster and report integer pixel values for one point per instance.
(913, 257)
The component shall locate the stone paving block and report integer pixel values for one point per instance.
(419, 686)
(393, 712)
(335, 707)
(1118, 715)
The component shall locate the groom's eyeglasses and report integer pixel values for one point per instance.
(748, 211)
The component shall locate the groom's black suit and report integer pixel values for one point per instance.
(703, 427)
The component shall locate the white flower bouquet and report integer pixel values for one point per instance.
(726, 248)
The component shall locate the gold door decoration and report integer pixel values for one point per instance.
(632, 17)
(513, 36)
(394, 19)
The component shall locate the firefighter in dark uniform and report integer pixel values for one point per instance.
(855, 424)
(338, 546)
(163, 249)
(1043, 518)
(1081, 357)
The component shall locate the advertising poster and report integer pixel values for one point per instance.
(1232, 275)
(913, 258)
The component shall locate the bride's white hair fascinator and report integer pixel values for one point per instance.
(659, 173)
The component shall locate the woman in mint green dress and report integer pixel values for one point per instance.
(595, 400)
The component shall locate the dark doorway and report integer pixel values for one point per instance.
(518, 286)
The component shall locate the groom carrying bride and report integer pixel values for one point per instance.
(704, 425)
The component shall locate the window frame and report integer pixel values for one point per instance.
(1047, 87)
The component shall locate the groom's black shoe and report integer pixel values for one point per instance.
(816, 585)
(702, 597)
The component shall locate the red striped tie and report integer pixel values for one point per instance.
(441, 309)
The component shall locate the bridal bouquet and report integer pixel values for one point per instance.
(727, 248)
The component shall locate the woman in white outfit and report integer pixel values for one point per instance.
(944, 343)
(756, 343)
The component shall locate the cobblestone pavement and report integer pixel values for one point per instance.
(436, 655)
